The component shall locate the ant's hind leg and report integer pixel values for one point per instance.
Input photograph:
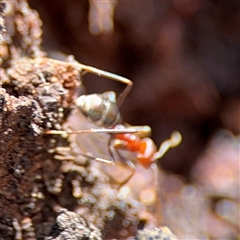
(85, 68)
(112, 76)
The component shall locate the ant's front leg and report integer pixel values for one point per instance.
(113, 149)
(131, 166)
(112, 76)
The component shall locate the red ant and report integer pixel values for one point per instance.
(103, 110)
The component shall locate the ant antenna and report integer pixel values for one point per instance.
(174, 141)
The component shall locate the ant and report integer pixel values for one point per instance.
(103, 110)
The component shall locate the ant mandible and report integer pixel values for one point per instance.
(103, 110)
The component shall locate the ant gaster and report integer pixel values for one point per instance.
(103, 110)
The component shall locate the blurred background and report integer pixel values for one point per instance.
(184, 60)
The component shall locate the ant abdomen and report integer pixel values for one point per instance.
(100, 109)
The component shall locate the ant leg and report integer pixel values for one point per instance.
(114, 77)
(142, 131)
(108, 161)
(125, 161)
(157, 186)
(94, 130)
(174, 141)
(132, 168)
(101, 73)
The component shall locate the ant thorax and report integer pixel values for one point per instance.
(100, 109)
